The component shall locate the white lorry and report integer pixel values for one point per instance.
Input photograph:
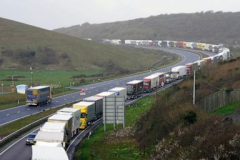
(119, 91)
(161, 78)
(75, 113)
(224, 55)
(48, 153)
(54, 139)
(150, 83)
(178, 72)
(67, 119)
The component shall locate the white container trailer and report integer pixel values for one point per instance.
(150, 83)
(161, 76)
(189, 45)
(53, 127)
(178, 72)
(66, 119)
(105, 94)
(207, 47)
(127, 42)
(119, 91)
(48, 153)
(51, 138)
(98, 105)
(76, 123)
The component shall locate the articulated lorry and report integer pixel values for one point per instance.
(134, 89)
(178, 72)
(38, 95)
(88, 113)
(150, 83)
(48, 153)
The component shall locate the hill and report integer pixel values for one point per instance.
(206, 27)
(22, 46)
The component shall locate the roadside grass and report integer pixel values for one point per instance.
(51, 77)
(99, 147)
(227, 109)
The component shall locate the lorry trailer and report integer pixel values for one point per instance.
(48, 153)
(75, 113)
(66, 119)
(38, 95)
(150, 83)
(98, 105)
(134, 89)
(51, 138)
(161, 78)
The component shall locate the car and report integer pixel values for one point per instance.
(30, 139)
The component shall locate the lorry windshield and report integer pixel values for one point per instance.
(146, 83)
(130, 89)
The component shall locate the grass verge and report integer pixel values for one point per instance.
(99, 147)
(227, 109)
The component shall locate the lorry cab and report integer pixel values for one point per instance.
(87, 112)
(134, 89)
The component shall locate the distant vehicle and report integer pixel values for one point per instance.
(30, 139)
(178, 72)
(38, 95)
(134, 89)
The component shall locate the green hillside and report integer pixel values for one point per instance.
(207, 27)
(22, 46)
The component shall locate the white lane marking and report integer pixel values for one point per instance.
(7, 114)
(16, 142)
(12, 108)
(18, 112)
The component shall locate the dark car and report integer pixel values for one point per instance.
(30, 139)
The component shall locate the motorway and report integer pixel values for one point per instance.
(23, 152)
(12, 114)
(18, 149)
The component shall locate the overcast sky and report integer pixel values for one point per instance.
(52, 14)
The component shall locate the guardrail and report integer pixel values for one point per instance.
(19, 132)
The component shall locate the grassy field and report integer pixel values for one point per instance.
(227, 109)
(99, 147)
(23, 46)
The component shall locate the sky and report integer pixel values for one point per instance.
(52, 14)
